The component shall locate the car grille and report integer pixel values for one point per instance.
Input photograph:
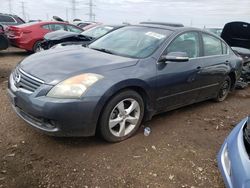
(26, 81)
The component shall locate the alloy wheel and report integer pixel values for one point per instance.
(124, 117)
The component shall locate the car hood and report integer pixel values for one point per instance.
(241, 50)
(58, 35)
(237, 34)
(55, 65)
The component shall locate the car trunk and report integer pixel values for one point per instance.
(15, 32)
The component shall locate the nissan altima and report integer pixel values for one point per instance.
(121, 79)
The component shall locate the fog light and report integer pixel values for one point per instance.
(226, 160)
(50, 124)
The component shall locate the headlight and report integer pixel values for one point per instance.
(226, 160)
(74, 87)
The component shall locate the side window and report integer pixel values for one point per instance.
(224, 48)
(187, 42)
(46, 27)
(212, 45)
(6, 19)
(56, 27)
(73, 29)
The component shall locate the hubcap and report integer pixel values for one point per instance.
(124, 117)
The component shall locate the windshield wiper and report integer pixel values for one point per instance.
(103, 50)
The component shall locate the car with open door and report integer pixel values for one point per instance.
(237, 36)
(63, 38)
(121, 79)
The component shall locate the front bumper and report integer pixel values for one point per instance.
(56, 117)
(239, 175)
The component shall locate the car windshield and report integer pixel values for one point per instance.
(98, 31)
(132, 41)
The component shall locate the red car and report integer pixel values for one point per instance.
(28, 36)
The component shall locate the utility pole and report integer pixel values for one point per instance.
(90, 10)
(91, 14)
(73, 2)
(67, 14)
(10, 6)
(23, 10)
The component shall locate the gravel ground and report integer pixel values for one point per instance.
(180, 151)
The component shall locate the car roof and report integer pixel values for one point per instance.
(41, 23)
(115, 26)
(171, 28)
(5, 14)
(164, 24)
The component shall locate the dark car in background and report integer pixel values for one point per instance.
(121, 79)
(234, 156)
(4, 42)
(237, 35)
(10, 19)
(28, 36)
(69, 38)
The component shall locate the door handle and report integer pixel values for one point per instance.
(226, 62)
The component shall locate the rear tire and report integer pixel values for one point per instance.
(36, 47)
(122, 116)
(224, 90)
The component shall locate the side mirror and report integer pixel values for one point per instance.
(175, 57)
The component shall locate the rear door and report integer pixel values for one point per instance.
(215, 65)
(178, 83)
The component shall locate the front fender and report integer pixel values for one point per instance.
(135, 84)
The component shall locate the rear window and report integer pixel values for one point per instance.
(212, 45)
(6, 19)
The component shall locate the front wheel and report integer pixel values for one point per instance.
(224, 90)
(122, 116)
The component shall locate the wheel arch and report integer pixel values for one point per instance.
(136, 85)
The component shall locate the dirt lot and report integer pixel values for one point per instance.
(180, 151)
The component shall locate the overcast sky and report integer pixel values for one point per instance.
(212, 13)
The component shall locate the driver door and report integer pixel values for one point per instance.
(178, 83)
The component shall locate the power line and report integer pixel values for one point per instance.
(74, 3)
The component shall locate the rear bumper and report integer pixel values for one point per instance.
(18, 43)
(56, 117)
